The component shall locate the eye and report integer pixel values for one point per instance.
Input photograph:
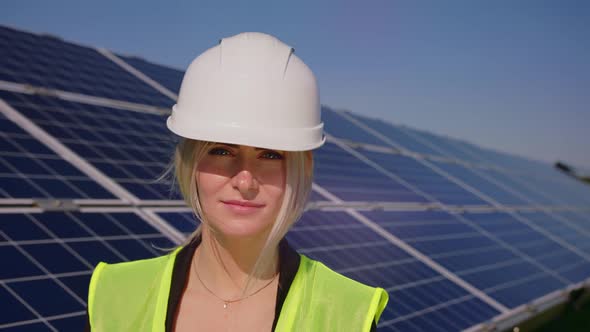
(269, 154)
(218, 151)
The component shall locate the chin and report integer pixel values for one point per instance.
(241, 228)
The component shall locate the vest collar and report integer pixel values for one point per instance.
(289, 261)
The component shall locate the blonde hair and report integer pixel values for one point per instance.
(298, 180)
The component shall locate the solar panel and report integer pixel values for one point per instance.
(561, 228)
(52, 63)
(443, 144)
(577, 218)
(182, 221)
(170, 78)
(424, 179)
(133, 148)
(460, 236)
(395, 134)
(29, 169)
(480, 258)
(53, 253)
(561, 190)
(484, 185)
(352, 180)
(336, 125)
(529, 241)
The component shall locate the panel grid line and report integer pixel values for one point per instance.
(465, 221)
(429, 262)
(44, 270)
(121, 63)
(40, 317)
(64, 152)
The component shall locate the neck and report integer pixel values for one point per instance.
(225, 264)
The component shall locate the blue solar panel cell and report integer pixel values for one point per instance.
(424, 179)
(445, 145)
(99, 223)
(132, 223)
(56, 258)
(562, 229)
(61, 167)
(481, 184)
(55, 300)
(133, 249)
(338, 126)
(20, 265)
(62, 227)
(532, 244)
(58, 188)
(560, 188)
(422, 229)
(457, 314)
(183, 222)
(514, 182)
(577, 271)
(94, 252)
(452, 245)
(517, 271)
(12, 309)
(478, 258)
(561, 259)
(51, 63)
(79, 284)
(397, 135)
(350, 179)
(135, 164)
(168, 77)
(526, 291)
(20, 227)
(28, 169)
(507, 161)
(578, 218)
(70, 323)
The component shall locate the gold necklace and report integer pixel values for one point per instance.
(226, 303)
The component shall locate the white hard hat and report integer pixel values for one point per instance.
(251, 89)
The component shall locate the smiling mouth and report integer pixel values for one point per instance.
(244, 204)
(242, 207)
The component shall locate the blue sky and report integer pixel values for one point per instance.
(510, 75)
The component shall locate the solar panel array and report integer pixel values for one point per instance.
(460, 236)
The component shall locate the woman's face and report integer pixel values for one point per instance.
(241, 188)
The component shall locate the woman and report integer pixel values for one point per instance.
(248, 114)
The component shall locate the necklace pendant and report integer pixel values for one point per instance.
(225, 305)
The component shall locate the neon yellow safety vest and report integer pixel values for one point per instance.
(133, 296)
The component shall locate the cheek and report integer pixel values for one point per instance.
(275, 184)
(208, 185)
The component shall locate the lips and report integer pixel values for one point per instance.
(243, 203)
(242, 207)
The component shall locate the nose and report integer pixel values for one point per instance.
(246, 183)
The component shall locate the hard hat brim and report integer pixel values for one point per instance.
(292, 139)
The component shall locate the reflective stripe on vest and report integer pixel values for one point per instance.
(133, 296)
